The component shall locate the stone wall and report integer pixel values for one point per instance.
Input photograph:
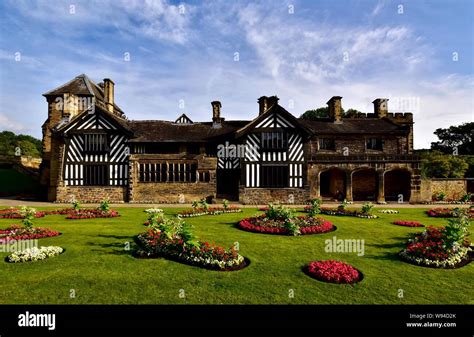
(172, 192)
(85, 194)
(273, 195)
(454, 188)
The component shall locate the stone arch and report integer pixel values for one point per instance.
(364, 184)
(332, 183)
(397, 182)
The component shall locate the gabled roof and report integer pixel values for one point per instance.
(274, 109)
(82, 85)
(121, 123)
(183, 119)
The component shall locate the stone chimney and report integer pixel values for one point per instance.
(264, 103)
(216, 114)
(380, 107)
(335, 109)
(109, 94)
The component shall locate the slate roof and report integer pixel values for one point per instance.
(167, 131)
(354, 126)
(82, 86)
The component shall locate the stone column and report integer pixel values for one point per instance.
(381, 188)
(349, 185)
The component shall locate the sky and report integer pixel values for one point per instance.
(167, 58)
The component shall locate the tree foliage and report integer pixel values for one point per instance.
(29, 146)
(455, 139)
(436, 164)
(323, 112)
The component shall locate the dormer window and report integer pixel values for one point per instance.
(374, 144)
(95, 143)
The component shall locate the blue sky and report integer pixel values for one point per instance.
(419, 54)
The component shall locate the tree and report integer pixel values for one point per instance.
(323, 112)
(438, 165)
(455, 139)
(29, 146)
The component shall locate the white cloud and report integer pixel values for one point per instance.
(7, 124)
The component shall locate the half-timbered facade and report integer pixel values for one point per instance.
(92, 151)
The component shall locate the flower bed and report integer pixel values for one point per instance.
(64, 211)
(15, 213)
(408, 223)
(210, 211)
(155, 243)
(91, 214)
(307, 225)
(440, 247)
(333, 271)
(388, 211)
(447, 212)
(16, 232)
(346, 212)
(34, 254)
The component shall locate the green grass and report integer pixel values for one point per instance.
(100, 271)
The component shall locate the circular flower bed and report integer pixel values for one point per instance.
(435, 248)
(15, 213)
(91, 214)
(34, 254)
(333, 271)
(408, 223)
(307, 225)
(447, 212)
(17, 232)
(63, 211)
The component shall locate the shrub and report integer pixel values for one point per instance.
(279, 213)
(466, 197)
(225, 203)
(439, 196)
(367, 207)
(28, 215)
(105, 206)
(76, 205)
(315, 207)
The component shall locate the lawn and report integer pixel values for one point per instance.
(99, 270)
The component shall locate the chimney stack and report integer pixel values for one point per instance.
(335, 109)
(216, 111)
(264, 103)
(380, 107)
(109, 94)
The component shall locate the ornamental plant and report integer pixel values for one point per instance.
(105, 206)
(203, 203)
(76, 205)
(225, 203)
(367, 207)
(466, 197)
(408, 223)
(34, 254)
(333, 271)
(315, 207)
(457, 230)
(342, 206)
(279, 212)
(28, 215)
